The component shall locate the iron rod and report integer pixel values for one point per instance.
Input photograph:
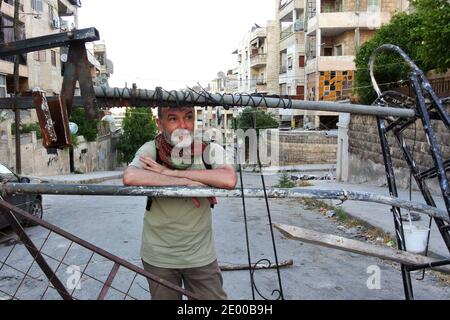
(248, 101)
(189, 192)
(49, 41)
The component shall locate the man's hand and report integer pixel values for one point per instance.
(152, 165)
(195, 200)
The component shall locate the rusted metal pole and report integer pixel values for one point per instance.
(189, 192)
(16, 90)
(207, 99)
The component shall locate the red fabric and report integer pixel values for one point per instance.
(164, 149)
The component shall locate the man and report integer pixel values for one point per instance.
(177, 240)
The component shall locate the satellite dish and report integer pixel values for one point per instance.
(112, 123)
(73, 128)
(221, 75)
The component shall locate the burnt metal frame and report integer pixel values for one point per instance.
(77, 70)
(435, 111)
(13, 212)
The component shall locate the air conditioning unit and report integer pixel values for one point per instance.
(64, 25)
(55, 23)
(298, 26)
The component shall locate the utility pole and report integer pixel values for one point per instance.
(16, 89)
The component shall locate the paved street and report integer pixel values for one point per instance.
(114, 224)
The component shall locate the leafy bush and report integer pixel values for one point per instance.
(424, 35)
(139, 127)
(86, 128)
(27, 128)
(285, 182)
(264, 120)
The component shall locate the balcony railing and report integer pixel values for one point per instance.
(258, 59)
(287, 32)
(284, 3)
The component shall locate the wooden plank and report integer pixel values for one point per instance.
(359, 247)
(235, 267)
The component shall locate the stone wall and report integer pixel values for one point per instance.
(309, 147)
(99, 155)
(366, 161)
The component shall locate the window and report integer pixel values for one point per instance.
(301, 92)
(53, 52)
(301, 61)
(7, 35)
(338, 50)
(289, 63)
(37, 5)
(11, 2)
(40, 56)
(3, 86)
(373, 5)
(328, 51)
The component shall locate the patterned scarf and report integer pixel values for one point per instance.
(165, 150)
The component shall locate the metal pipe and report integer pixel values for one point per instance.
(240, 100)
(189, 192)
(16, 92)
(144, 98)
(49, 41)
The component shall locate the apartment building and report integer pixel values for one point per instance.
(37, 18)
(334, 31)
(106, 66)
(257, 60)
(290, 17)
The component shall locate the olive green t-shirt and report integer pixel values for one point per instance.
(176, 234)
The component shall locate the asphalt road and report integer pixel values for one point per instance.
(114, 224)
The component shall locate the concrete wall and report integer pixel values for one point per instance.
(365, 158)
(308, 147)
(98, 155)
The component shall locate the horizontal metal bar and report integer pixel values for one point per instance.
(50, 41)
(189, 192)
(429, 265)
(125, 96)
(152, 96)
(116, 97)
(27, 103)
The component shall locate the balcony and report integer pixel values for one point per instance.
(327, 63)
(283, 69)
(286, 32)
(67, 7)
(348, 20)
(258, 60)
(287, 6)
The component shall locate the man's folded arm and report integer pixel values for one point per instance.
(223, 177)
(134, 176)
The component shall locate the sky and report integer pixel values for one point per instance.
(172, 43)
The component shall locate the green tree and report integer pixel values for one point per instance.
(139, 127)
(264, 120)
(434, 28)
(389, 67)
(86, 128)
(424, 35)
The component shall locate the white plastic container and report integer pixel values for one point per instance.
(415, 238)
